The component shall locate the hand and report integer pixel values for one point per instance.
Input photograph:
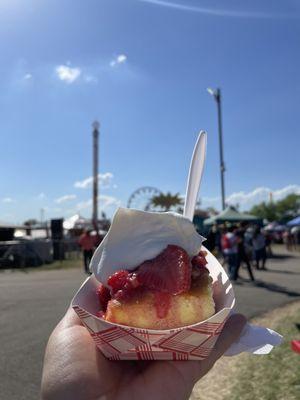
(74, 369)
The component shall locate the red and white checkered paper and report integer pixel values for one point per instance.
(194, 342)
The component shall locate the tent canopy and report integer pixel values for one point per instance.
(77, 221)
(230, 214)
(294, 222)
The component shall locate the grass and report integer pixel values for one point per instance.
(56, 265)
(64, 264)
(276, 376)
(248, 377)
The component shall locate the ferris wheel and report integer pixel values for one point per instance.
(141, 198)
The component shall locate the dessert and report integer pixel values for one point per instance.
(168, 291)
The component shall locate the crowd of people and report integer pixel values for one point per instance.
(239, 244)
(291, 238)
(235, 244)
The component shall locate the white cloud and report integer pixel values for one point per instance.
(8, 200)
(104, 201)
(248, 199)
(86, 183)
(260, 194)
(104, 181)
(67, 74)
(280, 193)
(108, 201)
(27, 77)
(120, 59)
(218, 12)
(65, 198)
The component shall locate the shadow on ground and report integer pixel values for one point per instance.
(276, 288)
(275, 271)
(280, 256)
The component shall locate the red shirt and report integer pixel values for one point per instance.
(87, 242)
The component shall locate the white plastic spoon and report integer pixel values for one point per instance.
(195, 176)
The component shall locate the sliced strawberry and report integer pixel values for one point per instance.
(103, 295)
(118, 280)
(129, 293)
(169, 272)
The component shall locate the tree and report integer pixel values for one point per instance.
(289, 207)
(166, 201)
(282, 210)
(264, 211)
(31, 222)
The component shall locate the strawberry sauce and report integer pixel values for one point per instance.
(162, 303)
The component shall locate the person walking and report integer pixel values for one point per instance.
(230, 251)
(268, 238)
(295, 232)
(97, 239)
(87, 243)
(259, 247)
(242, 254)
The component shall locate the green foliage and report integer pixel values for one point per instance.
(166, 201)
(289, 207)
(265, 211)
(282, 210)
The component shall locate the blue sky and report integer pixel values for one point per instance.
(141, 67)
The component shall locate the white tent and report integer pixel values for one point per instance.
(77, 222)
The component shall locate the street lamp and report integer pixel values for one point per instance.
(96, 127)
(216, 93)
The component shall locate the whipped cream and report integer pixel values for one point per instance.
(136, 236)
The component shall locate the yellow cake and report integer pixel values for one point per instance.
(185, 309)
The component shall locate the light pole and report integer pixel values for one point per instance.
(42, 211)
(95, 126)
(217, 96)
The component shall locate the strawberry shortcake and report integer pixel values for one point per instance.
(168, 291)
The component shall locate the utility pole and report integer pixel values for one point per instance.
(217, 96)
(95, 126)
(42, 213)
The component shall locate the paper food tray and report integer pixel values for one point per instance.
(193, 342)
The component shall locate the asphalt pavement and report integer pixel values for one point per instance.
(32, 303)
